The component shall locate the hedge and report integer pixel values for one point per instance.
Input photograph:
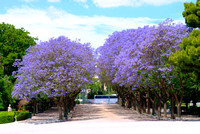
(21, 115)
(7, 117)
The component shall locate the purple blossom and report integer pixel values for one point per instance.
(128, 55)
(54, 68)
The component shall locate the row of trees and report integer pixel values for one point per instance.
(155, 63)
(139, 65)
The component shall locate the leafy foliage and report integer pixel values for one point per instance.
(21, 115)
(13, 43)
(7, 117)
(188, 58)
(5, 97)
(192, 14)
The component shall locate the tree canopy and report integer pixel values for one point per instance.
(54, 68)
(192, 14)
(135, 62)
(188, 58)
(13, 43)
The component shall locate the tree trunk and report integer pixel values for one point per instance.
(59, 105)
(179, 109)
(148, 103)
(139, 104)
(126, 103)
(144, 106)
(172, 108)
(153, 108)
(165, 109)
(123, 102)
(133, 101)
(194, 106)
(139, 108)
(159, 108)
(37, 111)
(119, 100)
(60, 112)
(153, 105)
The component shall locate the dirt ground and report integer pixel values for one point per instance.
(90, 112)
(97, 113)
(112, 112)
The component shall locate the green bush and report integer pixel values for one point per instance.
(21, 115)
(7, 117)
(78, 102)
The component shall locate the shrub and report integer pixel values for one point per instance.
(7, 117)
(21, 115)
(78, 102)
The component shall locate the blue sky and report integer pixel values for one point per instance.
(88, 20)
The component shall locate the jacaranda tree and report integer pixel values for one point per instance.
(138, 60)
(56, 68)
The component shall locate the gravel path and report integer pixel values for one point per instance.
(112, 112)
(97, 113)
(91, 112)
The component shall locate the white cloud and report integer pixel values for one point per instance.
(53, 0)
(86, 6)
(134, 3)
(45, 24)
(83, 1)
(28, 0)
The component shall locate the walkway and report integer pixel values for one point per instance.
(97, 112)
(112, 112)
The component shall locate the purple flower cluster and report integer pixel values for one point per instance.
(54, 68)
(130, 57)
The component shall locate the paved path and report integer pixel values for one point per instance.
(113, 112)
(98, 119)
(95, 112)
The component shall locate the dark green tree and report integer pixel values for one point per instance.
(4, 96)
(1, 66)
(13, 43)
(188, 58)
(192, 14)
